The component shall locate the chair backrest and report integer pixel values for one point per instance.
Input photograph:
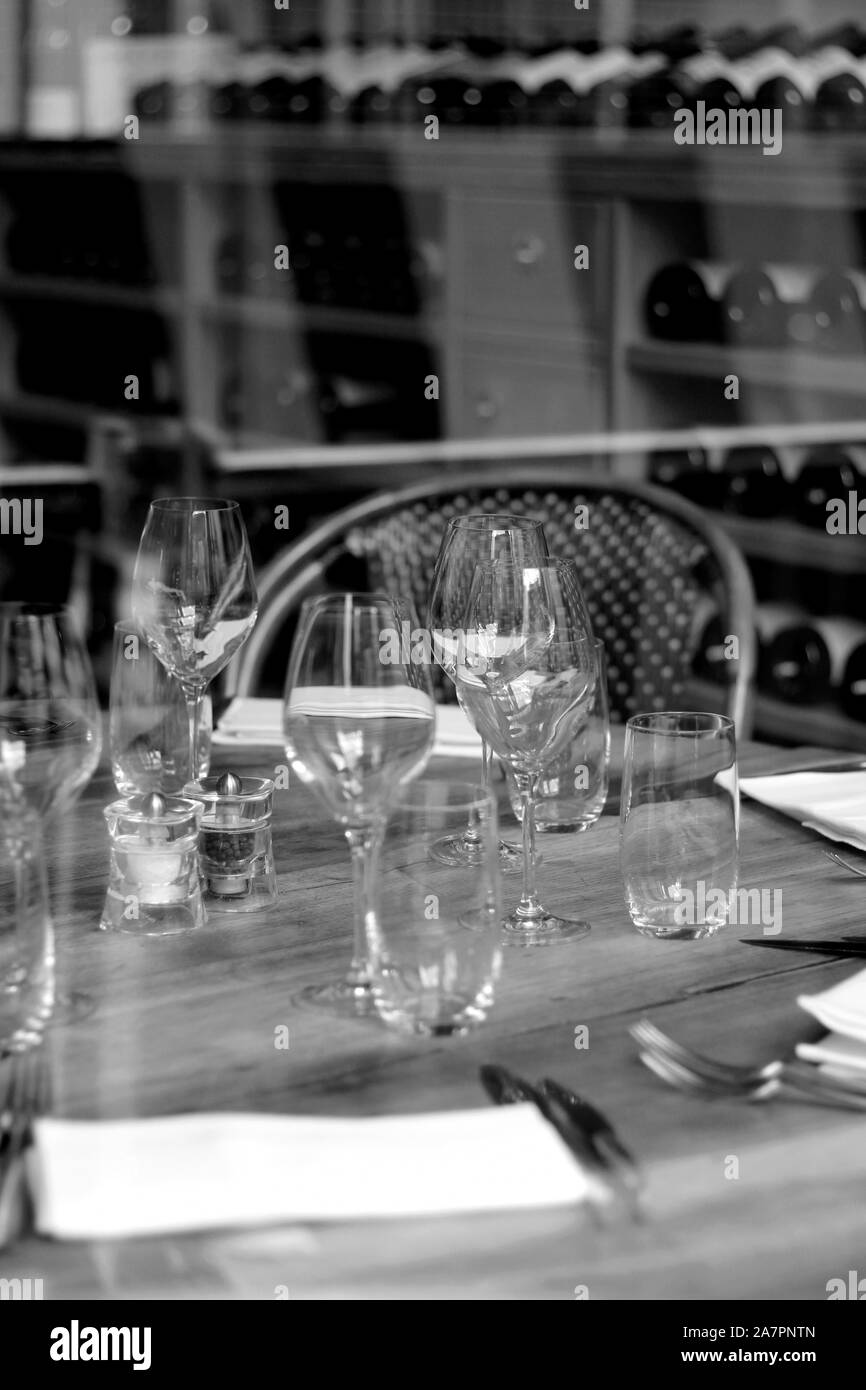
(652, 566)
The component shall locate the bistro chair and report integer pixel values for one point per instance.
(653, 569)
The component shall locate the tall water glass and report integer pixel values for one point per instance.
(679, 822)
(435, 952)
(148, 722)
(26, 936)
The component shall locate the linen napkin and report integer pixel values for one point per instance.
(833, 803)
(93, 1179)
(836, 1055)
(251, 722)
(842, 1008)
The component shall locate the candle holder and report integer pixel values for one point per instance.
(153, 887)
(236, 858)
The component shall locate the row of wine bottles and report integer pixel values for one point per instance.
(101, 234)
(752, 482)
(818, 80)
(758, 305)
(803, 659)
(96, 356)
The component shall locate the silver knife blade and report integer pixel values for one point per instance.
(821, 948)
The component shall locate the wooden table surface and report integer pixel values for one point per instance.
(188, 1023)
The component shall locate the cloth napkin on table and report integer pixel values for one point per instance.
(833, 803)
(842, 1010)
(250, 722)
(93, 1179)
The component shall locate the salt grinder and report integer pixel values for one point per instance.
(153, 887)
(235, 852)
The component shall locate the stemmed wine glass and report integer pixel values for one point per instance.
(468, 541)
(357, 728)
(526, 678)
(50, 729)
(194, 593)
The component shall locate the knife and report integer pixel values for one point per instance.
(599, 1130)
(505, 1088)
(853, 947)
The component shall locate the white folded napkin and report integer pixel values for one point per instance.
(833, 803)
(93, 1179)
(842, 1008)
(251, 722)
(836, 1055)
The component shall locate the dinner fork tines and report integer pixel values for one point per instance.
(689, 1070)
(843, 863)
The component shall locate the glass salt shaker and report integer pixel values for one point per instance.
(236, 857)
(153, 887)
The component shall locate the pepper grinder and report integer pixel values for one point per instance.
(153, 887)
(236, 856)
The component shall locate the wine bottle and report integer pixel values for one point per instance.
(837, 306)
(683, 302)
(828, 473)
(794, 662)
(840, 103)
(756, 485)
(667, 466)
(842, 636)
(654, 100)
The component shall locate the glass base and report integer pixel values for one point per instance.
(456, 851)
(548, 929)
(460, 853)
(699, 932)
(345, 998)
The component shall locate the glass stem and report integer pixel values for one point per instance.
(529, 906)
(364, 846)
(470, 834)
(194, 696)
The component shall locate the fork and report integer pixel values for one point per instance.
(24, 1094)
(837, 859)
(689, 1070)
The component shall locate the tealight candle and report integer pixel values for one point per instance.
(154, 887)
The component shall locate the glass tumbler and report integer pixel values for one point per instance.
(148, 720)
(572, 789)
(679, 823)
(26, 936)
(433, 940)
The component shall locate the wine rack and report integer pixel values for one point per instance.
(449, 261)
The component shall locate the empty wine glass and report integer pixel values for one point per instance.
(468, 541)
(357, 729)
(194, 593)
(526, 677)
(50, 727)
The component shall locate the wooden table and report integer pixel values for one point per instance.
(188, 1023)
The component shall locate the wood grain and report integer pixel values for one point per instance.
(188, 1023)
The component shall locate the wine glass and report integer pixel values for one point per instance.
(357, 728)
(50, 728)
(525, 678)
(468, 541)
(194, 593)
